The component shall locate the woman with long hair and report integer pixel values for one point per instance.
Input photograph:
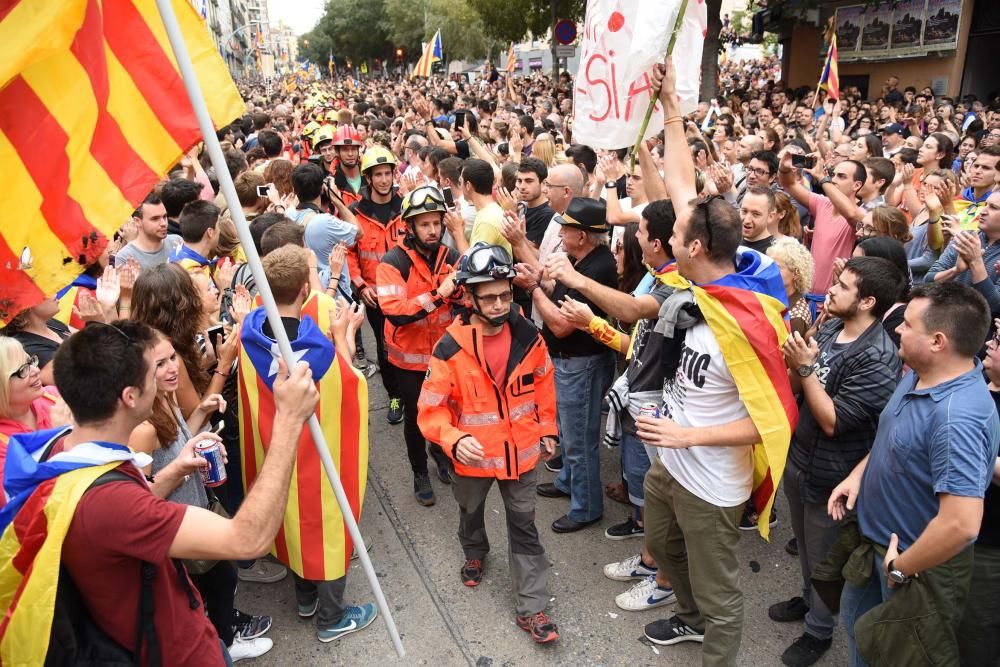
(170, 439)
(789, 223)
(865, 147)
(936, 196)
(544, 149)
(166, 298)
(279, 173)
(885, 221)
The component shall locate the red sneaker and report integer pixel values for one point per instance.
(472, 572)
(542, 628)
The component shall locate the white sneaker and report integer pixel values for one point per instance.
(263, 571)
(628, 569)
(249, 648)
(645, 594)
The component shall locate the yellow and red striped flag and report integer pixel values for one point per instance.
(511, 63)
(748, 322)
(93, 112)
(433, 52)
(313, 540)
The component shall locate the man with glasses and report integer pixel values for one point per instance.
(489, 402)
(414, 282)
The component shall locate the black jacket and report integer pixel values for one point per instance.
(860, 384)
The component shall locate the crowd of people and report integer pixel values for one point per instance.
(532, 298)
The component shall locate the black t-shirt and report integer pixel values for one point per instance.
(599, 265)
(536, 221)
(622, 185)
(173, 226)
(384, 212)
(989, 530)
(462, 148)
(760, 245)
(44, 348)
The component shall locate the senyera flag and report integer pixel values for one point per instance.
(93, 112)
(511, 62)
(622, 40)
(745, 311)
(313, 540)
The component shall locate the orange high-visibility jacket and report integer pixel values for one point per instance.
(416, 316)
(378, 239)
(459, 398)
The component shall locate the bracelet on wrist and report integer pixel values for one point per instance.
(225, 375)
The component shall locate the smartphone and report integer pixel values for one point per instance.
(449, 198)
(805, 161)
(459, 118)
(214, 333)
(522, 209)
(262, 190)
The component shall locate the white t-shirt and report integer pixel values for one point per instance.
(704, 393)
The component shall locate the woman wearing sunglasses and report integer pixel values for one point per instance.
(25, 403)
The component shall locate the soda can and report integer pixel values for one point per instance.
(215, 473)
(649, 410)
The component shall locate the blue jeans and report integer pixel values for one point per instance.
(580, 386)
(856, 601)
(635, 465)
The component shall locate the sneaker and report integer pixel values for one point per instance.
(788, 611)
(792, 548)
(645, 594)
(444, 473)
(244, 649)
(624, 530)
(628, 569)
(422, 490)
(369, 370)
(672, 631)
(307, 610)
(355, 618)
(805, 651)
(541, 627)
(472, 572)
(263, 571)
(249, 627)
(395, 414)
(360, 361)
(555, 464)
(750, 518)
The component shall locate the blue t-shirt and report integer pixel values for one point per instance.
(323, 231)
(929, 441)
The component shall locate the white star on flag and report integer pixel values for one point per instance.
(276, 354)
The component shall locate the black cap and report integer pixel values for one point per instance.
(893, 128)
(590, 215)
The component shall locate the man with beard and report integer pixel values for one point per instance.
(378, 214)
(153, 245)
(415, 281)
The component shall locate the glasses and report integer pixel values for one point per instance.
(502, 297)
(547, 184)
(24, 370)
(757, 171)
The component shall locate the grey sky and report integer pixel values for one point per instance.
(300, 15)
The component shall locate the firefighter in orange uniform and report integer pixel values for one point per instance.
(489, 401)
(415, 281)
(346, 170)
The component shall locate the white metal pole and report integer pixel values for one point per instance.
(253, 259)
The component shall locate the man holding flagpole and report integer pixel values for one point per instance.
(726, 416)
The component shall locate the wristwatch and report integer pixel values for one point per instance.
(805, 370)
(826, 181)
(897, 576)
(610, 184)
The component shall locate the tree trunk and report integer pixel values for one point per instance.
(555, 60)
(710, 52)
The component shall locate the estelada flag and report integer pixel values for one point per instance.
(42, 496)
(745, 312)
(313, 540)
(830, 79)
(93, 112)
(69, 298)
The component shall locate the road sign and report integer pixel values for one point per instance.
(565, 31)
(565, 51)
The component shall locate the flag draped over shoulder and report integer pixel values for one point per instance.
(42, 497)
(313, 540)
(432, 54)
(93, 112)
(745, 311)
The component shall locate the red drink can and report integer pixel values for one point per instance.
(649, 410)
(215, 473)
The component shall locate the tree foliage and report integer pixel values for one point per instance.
(352, 30)
(514, 20)
(409, 24)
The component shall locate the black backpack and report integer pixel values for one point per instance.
(75, 639)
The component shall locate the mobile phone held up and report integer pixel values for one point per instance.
(803, 161)
(449, 198)
(262, 190)
(214, 334)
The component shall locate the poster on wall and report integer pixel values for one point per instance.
(907, 24)
(877, 26)
(941, 25)
(848, 27)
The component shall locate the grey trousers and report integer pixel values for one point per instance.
(529, 567)
(331, 598)
(816, 533)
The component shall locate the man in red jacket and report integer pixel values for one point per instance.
(489, 401)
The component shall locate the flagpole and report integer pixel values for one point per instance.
(274, 319)
(652, 98)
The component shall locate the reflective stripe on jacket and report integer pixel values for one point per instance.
(416, 316)
(378, 238)
(460, 398)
